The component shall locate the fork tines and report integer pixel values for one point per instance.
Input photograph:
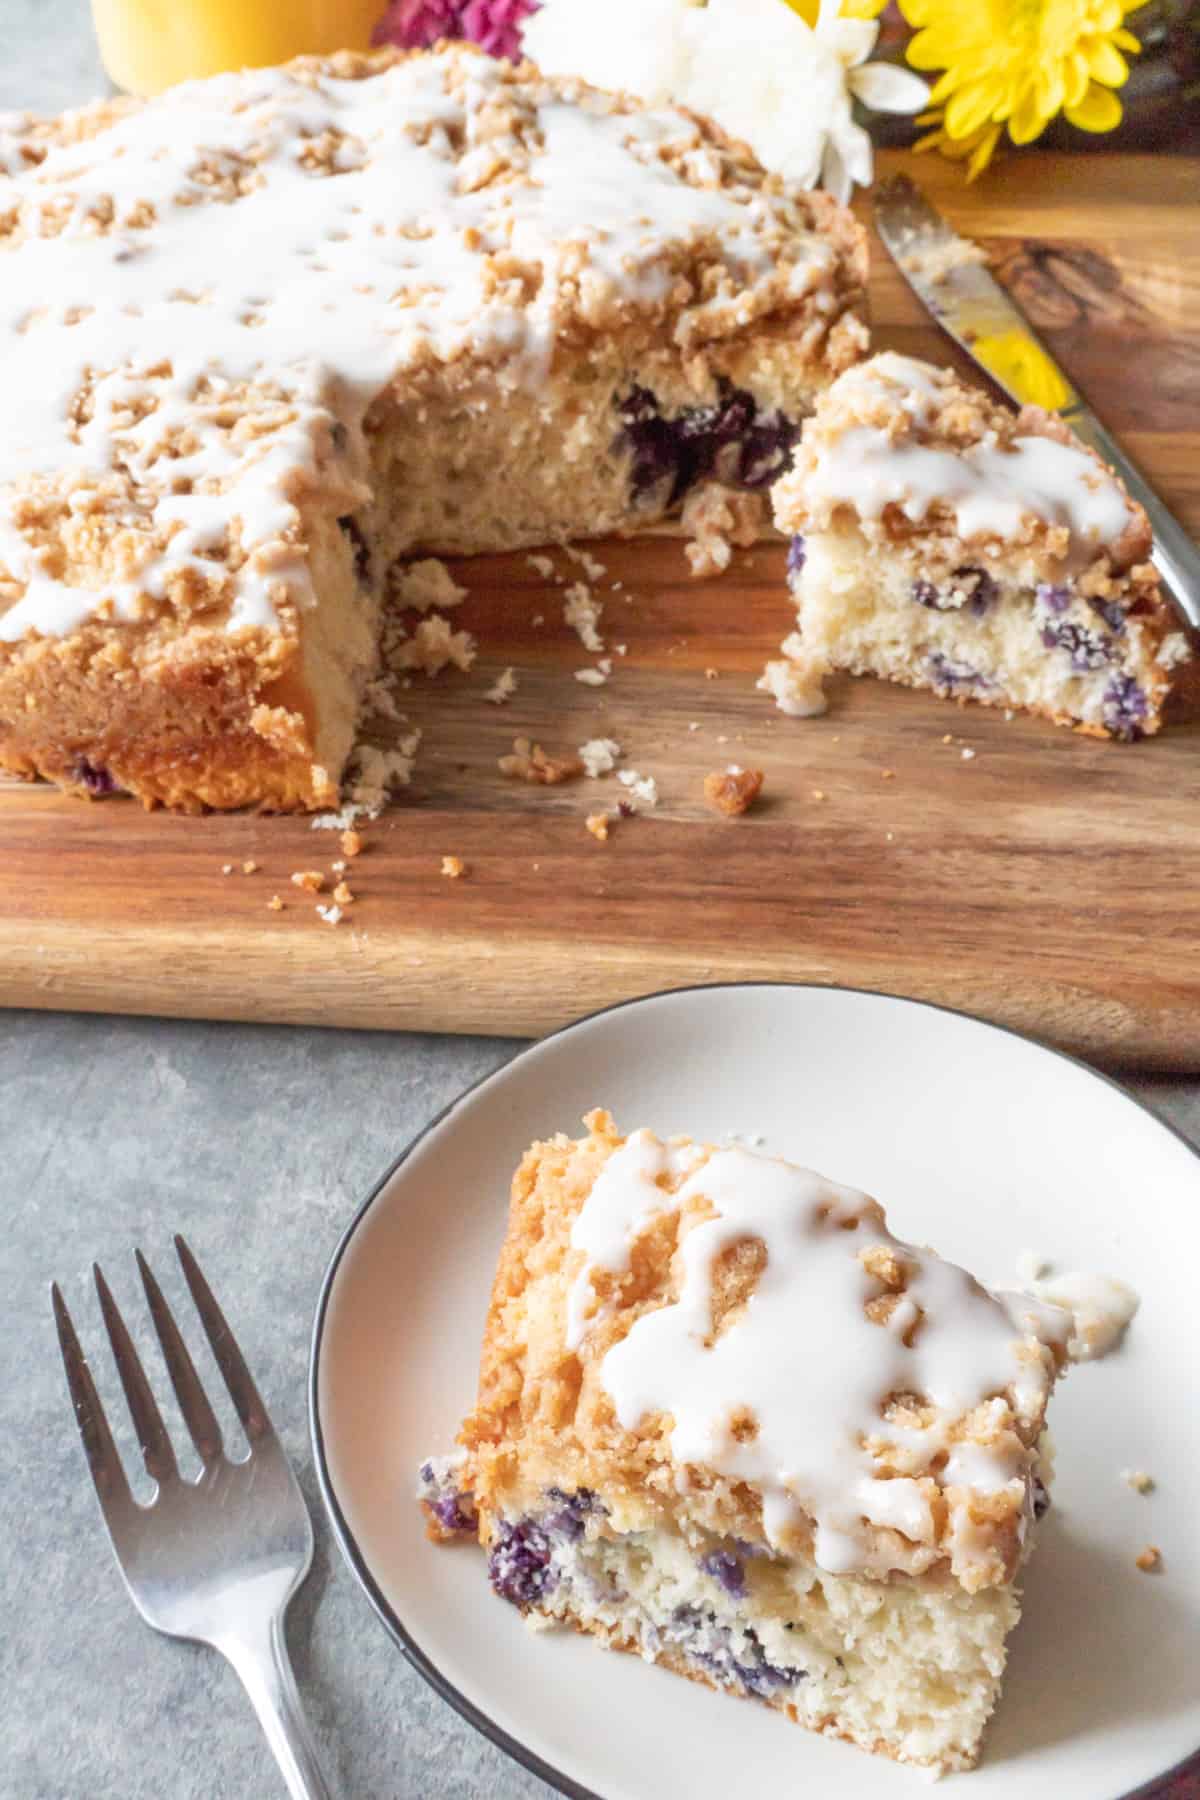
(153, 1437)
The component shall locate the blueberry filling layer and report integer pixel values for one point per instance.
(1087, 649)
(452, 1506)
(519, 1562)
(728, 1569)
(970, 588)
(797, 555)
(1125, 706)
(732, 440)
(734, 1658)
(946, 673)
(96, 780)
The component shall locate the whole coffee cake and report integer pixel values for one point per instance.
(266, 334)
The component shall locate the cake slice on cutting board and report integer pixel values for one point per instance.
(942, 541)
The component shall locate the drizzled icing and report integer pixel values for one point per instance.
(991, 488)
(805, 1361)
(315, 238)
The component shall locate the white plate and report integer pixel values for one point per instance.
(977, 1142)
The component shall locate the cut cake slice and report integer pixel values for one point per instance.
(727, 1422)
(942, 541)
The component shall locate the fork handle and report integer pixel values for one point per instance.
(260, 1656)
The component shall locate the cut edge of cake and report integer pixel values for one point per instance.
(696, 1438)
(941, 541)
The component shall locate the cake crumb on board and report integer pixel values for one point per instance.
(1149, 1560)
(529, 762)
(453, 867)
(1138, 1480)
(733, 791)
(311, 880)
(598, 824)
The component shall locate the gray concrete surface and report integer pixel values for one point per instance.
(256, 1142)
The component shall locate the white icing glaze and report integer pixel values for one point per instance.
(327, 286)
(1100, 1308)
(991, 491)
(803, 1358)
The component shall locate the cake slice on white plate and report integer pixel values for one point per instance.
(727, 1422)
(942, 541)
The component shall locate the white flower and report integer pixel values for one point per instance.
(755, 66)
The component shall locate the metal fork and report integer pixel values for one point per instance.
(216, 1560)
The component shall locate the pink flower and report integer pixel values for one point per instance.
(495, 25)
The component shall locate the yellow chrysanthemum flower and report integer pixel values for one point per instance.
(1016, 64)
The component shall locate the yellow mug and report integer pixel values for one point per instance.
(147, 45)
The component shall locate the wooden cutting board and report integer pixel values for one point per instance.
(1045, 881)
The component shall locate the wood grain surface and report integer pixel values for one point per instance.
(1048, 881)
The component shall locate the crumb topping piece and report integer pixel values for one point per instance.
(453, 867)
(529, 762)
(1149, 1559)
(311, 880)
(733, 791)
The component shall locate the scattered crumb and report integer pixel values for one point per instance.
(733, 791)
(529, 762)
(538, 619)
(249, 868)
(503, 688)
(948, 738)
(715, 519)
(723, 738)
(818, 793)
(1009, 714)
(338, 867)
(227, 868)
(582, 614)
(595, 677)
(694, 725)
(968, 754)
(342, 894)
(597, 824)
(311, 880)
(588, 563)
(937, 260)
(1173, 650)
(1138, 1480)
(711, 674)
(453, 866)
(643, 789)
(621, 649)
(796, 684)
(888, 774)
(352, 843)
(426, 584)
(343, 820)
(1149, 1559)
(599, 756)
(331, 914)
(371, 776)
(380, 701)
(433, 645)
(541, 565)
(274, 904)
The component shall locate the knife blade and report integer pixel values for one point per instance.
(948, 275)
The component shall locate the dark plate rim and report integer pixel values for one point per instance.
(347, 1543)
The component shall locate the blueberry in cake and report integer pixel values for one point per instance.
(267, 334)
(941, 541)
(727, 1422)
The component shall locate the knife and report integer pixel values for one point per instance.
(947, 275)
